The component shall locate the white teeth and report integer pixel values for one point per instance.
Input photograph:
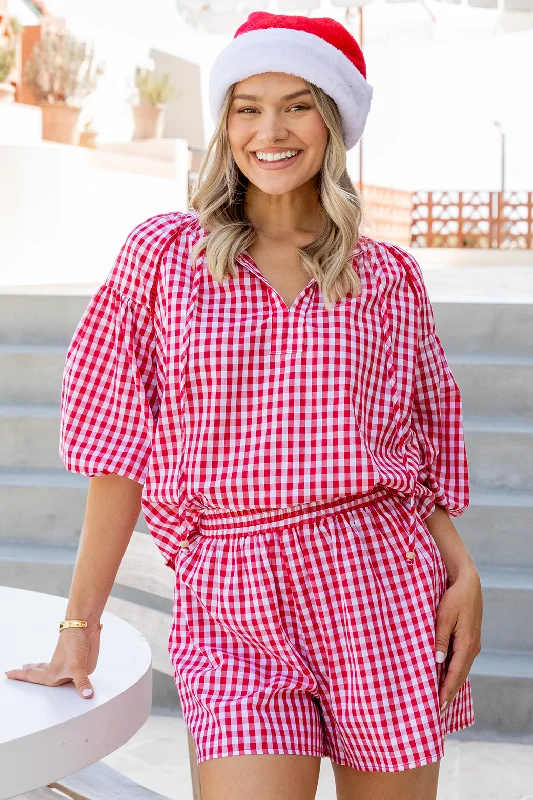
(276, 156)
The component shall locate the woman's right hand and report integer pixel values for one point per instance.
(74, 659)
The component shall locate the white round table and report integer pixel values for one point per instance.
(48, 732)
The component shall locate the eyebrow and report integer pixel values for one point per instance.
(287, 96)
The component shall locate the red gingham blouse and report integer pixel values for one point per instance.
(219, 395)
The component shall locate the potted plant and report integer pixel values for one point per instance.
(88, 135)
(8, 58)
(149, 115)
(61, 72)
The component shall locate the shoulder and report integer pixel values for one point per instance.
(392, 259)
(395, 264)
(136, 266)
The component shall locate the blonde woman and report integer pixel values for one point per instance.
(269, 386)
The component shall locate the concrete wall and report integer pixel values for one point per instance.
(62, 221)
(184, 118)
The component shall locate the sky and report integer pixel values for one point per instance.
(438, 87)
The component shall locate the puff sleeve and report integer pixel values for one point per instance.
(437, 415)
(109, 395)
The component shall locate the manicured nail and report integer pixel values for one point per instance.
(440, 657)
(443, 707)
(86, 692)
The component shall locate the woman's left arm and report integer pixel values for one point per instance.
(460, 610)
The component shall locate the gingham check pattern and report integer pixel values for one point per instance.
(310, 632)
(216, 395)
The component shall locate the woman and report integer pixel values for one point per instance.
(284, 402)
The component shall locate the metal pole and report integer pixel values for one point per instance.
(503, 161)
(361, 139)
(502, 141)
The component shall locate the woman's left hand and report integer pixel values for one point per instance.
(459, 614)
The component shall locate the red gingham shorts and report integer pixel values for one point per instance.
(309, 630)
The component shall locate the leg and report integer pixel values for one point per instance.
(259, 777)
(420, 783)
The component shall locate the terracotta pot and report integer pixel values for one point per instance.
(88, 139)
(60, 122)
(7, 93)
(148, 121)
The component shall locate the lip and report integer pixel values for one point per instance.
(275, 164)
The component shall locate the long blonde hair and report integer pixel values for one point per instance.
(219, 193)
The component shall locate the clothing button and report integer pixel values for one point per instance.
(410, 554)
(184, 543)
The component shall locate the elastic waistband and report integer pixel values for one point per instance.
(223, 522)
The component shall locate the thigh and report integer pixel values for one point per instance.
(260, 777)
(421, 782)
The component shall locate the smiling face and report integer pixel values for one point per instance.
(274, 113)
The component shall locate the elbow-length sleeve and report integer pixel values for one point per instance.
(109, 394)
(437, 416)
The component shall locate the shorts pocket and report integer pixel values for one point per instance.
(427, 545)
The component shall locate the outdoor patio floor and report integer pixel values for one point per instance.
(157, 757)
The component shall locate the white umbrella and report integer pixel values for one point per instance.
(375, 21)
(428, 17)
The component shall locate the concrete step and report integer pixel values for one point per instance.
(469, 328)
(31, 373)
(30, 437)
(497, 528)
(43, 316)
(507, 593)
(49, 314)
(497, 385)
(500, 452)
(45, 507)
(507, 604)
(502, 680)
(490, 385)
(502, 692)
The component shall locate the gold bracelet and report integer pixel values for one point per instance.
(75, 623)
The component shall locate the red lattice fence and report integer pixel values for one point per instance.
(473, 219)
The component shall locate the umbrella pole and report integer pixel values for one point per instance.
(361, 140)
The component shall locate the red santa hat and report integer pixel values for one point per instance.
(318, 49)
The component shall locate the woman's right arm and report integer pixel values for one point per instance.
(111, 513)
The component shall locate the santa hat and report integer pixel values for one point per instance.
(317, 49)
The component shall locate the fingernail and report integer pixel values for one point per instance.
(440, 657)
(443, 707)
(87, 692)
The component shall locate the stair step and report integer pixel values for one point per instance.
(37, 411)
(504, 663)
(41, 319)
(500, 451)
(502, 693)
(485, 327)
(45, 506)
(502, 680)
(510, 498)
(44, 478)
(49, 314)
(489, 424)
(507, 578)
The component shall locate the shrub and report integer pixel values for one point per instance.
(7, 59)
(153, 88)
(61, 68)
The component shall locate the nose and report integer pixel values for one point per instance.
(270, 129)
